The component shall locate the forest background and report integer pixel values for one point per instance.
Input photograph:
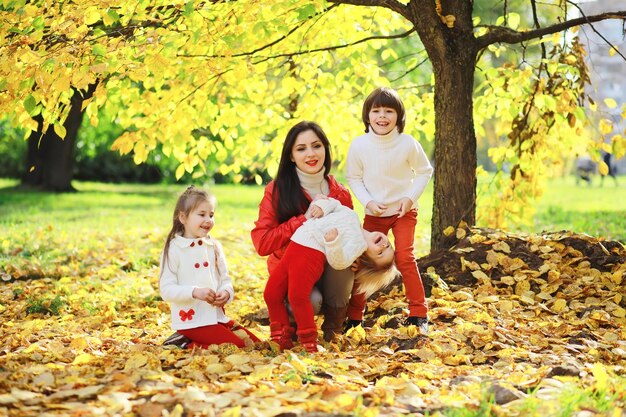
(528, 317)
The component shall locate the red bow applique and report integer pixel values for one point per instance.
(186, 315)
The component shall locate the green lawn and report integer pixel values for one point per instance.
(100, 208)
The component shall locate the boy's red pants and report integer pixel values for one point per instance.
(403, 230)
(295, 275)
(216, 334)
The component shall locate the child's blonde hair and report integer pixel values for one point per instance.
(186, 203)
(371, 276)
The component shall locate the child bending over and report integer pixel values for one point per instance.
(334, 233)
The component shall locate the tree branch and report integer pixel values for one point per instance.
(506, 35)
(393, 5)
(308, 51)
(596, 31)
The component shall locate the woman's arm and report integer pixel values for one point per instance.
(268, 235)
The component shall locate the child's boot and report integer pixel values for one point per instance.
(281, 335)
(308, 339)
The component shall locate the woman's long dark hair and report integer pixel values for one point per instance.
(289, 198)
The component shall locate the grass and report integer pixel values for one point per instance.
(101, 208)
(595, 209)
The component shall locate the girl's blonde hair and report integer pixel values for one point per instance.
(371, 276)
(186, 203)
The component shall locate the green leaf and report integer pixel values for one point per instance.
(30, 103)
(99, 50)
(514, 20)
(59, 129)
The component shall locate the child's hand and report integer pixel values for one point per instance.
(355, 265)
(313, 212)
(406, 204)
(331, 235)
(221, 298)
(204, 294)
(376, 208)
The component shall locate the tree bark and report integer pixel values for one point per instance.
(50, 159)
(455, 150)
(452, 52)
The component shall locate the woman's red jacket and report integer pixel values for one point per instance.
(271, 238)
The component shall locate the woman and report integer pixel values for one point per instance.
(303, 172)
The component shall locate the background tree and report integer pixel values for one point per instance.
(235, 69)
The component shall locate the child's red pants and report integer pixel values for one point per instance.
(295, 275)
(217, 334)
(403, 230)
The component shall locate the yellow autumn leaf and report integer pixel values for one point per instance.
(601, 376)
(521, 287)
(501, 246)
(610, 103)
(92, 15)
(344, 401)
(298, 364)
(613, 50)
(59, 129)
(83, 358)
(216, 368)
(559, 305)
(505, 306)
(480, 275)
(605, 126)
(237, 359)
(232, 412)
(448, 231)
(136, 361)
(180, 171)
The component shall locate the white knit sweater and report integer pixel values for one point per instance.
(313, 184)
(386, 169)
(349, 244)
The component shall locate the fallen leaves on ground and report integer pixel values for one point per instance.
(512, 317)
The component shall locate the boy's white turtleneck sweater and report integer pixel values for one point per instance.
(313, 184)
(386, 169)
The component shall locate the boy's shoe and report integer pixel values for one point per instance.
(351, 324)
(420, 322)
(177, 339)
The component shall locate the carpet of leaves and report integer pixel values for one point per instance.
(518, 319)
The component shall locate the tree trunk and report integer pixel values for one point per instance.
(452, 52)
(455, 150)
(50, 159)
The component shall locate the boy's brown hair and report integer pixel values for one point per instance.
(384, 97)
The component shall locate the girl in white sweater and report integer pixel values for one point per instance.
(387, 171)
(334, 233)
(195, 279)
